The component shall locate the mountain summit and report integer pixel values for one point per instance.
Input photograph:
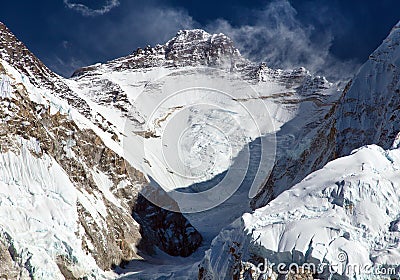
(188, 48)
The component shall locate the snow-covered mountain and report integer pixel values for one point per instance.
(96, 170)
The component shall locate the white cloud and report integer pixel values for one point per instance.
(86, 11)
(278, 38)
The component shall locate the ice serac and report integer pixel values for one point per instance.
(67, 195)
(345, 215)
(369, 110)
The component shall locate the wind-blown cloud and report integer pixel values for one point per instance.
(65, 67)
(104, 39)
(86, 11)
(137, 28)
(278, 38)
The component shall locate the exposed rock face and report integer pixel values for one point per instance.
(203, 49)
(59, 137)
(10, 269)
(300, 275)
(170, 232)
(17, 54)
(188, 48)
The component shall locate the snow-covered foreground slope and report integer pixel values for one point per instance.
(345, 215)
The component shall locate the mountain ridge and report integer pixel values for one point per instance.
(41, 129)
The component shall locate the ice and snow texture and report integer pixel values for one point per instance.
(5, 87)
(38, 210)
(350, 205)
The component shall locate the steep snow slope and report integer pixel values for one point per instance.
(369, 109)
(37, 210)
(344, 215)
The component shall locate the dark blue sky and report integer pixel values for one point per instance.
(326, 36)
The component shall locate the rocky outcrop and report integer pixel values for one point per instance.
(10, 269)
(15, 53)
(171, 233)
